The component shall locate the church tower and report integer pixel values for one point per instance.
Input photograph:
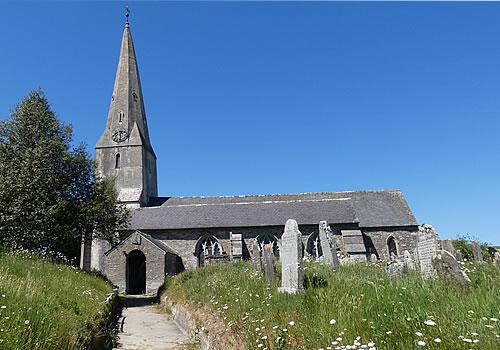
(124, 150)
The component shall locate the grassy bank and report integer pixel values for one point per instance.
(44, 305)
(357, 306)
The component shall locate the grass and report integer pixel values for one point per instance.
(357, 306)
(45, 305)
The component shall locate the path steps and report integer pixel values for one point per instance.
(143, 326)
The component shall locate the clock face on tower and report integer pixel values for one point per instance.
(119, 135)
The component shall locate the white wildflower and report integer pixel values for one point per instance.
(467, 340)
(291, 323)
(421, 343)
(437, 340)
(332, 321)
(419, 334)
(430, 322)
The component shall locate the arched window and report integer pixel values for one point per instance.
(313, 246)
(207, 246)
(266, 238)
(118, 162)
(392, 248)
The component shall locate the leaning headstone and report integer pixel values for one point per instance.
(256, 255)
(447, 245)
(236, 246)
(426, 247)
(476, 251)
(328, 245)
(268, 262)
(291, 259)
(446, 266)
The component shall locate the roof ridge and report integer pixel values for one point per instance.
(286, 194)
(249, 203)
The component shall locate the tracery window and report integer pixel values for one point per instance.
(313, 246)
(207, 247)
(266, 238)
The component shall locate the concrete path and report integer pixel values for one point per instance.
(143, 326)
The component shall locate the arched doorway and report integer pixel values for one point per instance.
(136, 272)
(392, 247)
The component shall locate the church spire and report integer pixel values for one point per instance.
(124, 151)
(126, 123)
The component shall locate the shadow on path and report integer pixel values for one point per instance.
(144, 326)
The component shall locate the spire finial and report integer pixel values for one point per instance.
(127, 13)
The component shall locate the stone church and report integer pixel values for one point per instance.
(170, 234)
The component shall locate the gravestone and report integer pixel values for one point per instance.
(256, 255)
(291, 259)
(496, 258)
(426, 247)
(476, 251)
(328, 244)
(236, 241)
(268, 262)
(409, 261)
(396, 268)
(446, 266)
(447, 245)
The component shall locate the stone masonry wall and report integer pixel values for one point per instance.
(115, 264)
(376, 240)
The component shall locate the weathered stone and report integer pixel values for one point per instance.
(291, 259)
(328, 245)
(236, 246)
(256, 255)
(496, 258)
(268, 262)
(426, 246)
(446, 266)
(396, 268)
(476, 252)
(409, 261)
(447, 245)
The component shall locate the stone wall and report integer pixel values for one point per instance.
(376, 240)
(183, 242)
(158, 264)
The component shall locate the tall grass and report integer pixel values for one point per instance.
(45, 305)
(357, 306)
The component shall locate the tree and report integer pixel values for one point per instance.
(50, 196)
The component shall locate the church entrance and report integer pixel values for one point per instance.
(136, 272)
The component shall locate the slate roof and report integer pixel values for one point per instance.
(368, 208)
(159, 244)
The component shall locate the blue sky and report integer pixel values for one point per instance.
(286, 97)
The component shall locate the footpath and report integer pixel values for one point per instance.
(143, 326)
